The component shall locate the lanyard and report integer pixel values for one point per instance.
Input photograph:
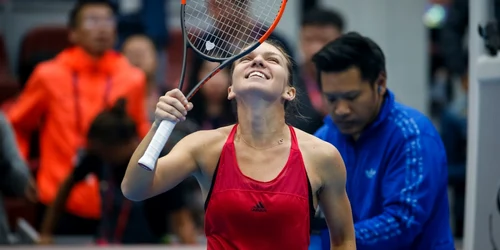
(125, 211)
(78, 106)
(123, 216)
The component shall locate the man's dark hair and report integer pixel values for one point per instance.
(113, 126)
(80, 4)
(320, 17)
(351, 50)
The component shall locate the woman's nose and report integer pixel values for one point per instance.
(258, 61)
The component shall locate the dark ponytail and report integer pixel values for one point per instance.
(113, 126)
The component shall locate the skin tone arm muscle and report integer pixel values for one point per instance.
(334, 201)
(140, 184)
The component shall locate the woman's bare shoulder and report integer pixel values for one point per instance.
(316, 148)
(204, 139)
(312, 142)
(320, 156)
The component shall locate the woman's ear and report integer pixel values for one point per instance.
(289, 93)
(230, 93)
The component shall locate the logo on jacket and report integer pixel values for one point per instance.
(370, 173)
(259, 207)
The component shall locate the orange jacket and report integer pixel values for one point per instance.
(62, 97)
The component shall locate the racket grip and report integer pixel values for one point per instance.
(160, 138)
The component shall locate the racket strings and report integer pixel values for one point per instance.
(222, 28)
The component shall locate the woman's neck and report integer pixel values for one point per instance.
(262, 126)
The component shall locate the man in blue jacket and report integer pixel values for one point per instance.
(395, 160)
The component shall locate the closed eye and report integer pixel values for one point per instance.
(273, 60)
(245, 59)
(351, 97)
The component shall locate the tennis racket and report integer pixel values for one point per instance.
(219, 31)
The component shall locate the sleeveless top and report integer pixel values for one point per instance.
(243, 213)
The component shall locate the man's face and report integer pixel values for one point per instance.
(351, 101)
(95, 28)
(314, 37)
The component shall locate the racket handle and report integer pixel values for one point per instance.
(148, 160)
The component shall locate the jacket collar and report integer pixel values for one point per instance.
(80, 61)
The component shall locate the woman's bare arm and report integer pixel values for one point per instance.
(333, 198)
(140, 184)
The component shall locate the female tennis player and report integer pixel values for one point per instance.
(262, 179)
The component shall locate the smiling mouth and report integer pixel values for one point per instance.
(257, 74)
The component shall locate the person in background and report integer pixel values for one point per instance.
(454, 135)
(15, 177)
(211, 109)
(63, 96)
(452, 39)
(112, 138)
(149, 18)
(140, 51)
(395, 159)
(318, 27)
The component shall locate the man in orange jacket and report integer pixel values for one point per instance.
(64, 95)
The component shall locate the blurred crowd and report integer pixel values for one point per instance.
(75, 107)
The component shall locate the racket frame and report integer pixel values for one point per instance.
(164, 130)
(223, 62)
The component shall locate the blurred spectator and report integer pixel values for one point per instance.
(149, 18)
(64, 95)
(454, 135)
(211, 108)
(140, 51)
(318, 28)
(112, 139)
(452, 37)
(454, 116)
(15, 178)
(308, 4)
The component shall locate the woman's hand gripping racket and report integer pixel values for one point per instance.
(221, 31)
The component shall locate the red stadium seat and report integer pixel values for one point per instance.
(3, 53)
(40, 44)
(8, 86)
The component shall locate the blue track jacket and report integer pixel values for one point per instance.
(396, 180)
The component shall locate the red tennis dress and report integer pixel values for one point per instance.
(242, 213)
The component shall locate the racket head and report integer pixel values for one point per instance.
(225, 30)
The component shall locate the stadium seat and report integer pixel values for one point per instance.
(40, 44)
(8, 86)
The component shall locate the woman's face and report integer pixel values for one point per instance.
(262, 74)
(216, 88)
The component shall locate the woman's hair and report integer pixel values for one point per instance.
(291, 107)
(113, 126)
(198, 114)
